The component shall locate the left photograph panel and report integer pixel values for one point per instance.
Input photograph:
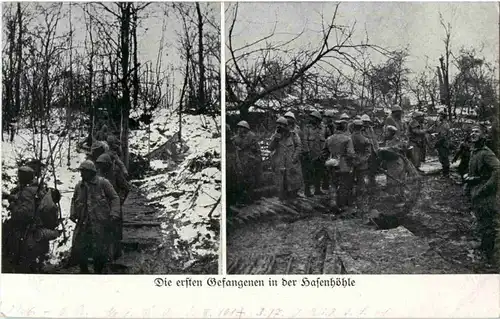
(111, 143)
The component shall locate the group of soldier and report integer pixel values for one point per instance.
(345, 154)
(96, 209)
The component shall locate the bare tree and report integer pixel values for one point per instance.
(244, 66)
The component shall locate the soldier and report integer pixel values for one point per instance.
(98, 148)
(314, 141)
(395, 119)
(442, 143)
(249, 153)
(417, 138)
(107, 169)
(102, 134)
(17, 239)
(285, 153)
(463, 154)
(95, 207)
(329, 131)
(292, 124)
(362, 148)
(233, 169)
(392, 157)
(339, 146)
(373, 163)
(482, 184)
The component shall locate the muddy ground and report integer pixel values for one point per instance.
(434, 234)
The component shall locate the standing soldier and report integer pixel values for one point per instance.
(292, 124)
(482, 183)
(362, 148)
(17, 235)
(392, 156)
(442, 143)
(98, 148)
(233, 169)
(373, 163)
(95, 207)
(285, 153)
(395, 119)
(417, 138)
(107, 169)
(314, 141)
(340, 148)
(102, 134)
(329, 131)
(249, 153)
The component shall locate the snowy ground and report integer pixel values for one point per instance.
(189, 193)
(201, 187)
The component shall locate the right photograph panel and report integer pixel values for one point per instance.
(362, 138)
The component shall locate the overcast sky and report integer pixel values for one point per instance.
(393, 25)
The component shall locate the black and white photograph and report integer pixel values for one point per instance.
(111, 137)
(362, 138)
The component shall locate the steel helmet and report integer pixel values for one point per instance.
(282, 120)
(316, 115)
(344, 116)
(357, 117)
(358, 123)
(26, 169)
(396, 108)
(88, 165)
(243, 124)
(365, 118)
(392, 128)
(290, 115)
(96, 145)
(329, 113)
(104, 158)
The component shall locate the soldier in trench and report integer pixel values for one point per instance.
(107, 169)
(392, 156)
(329, 131)
(95, 208)
(417, 136)
(443, 143)
(339, 147)
(249, 153)
(362, 148)
(314, 140)
(482, 185)
(285, 159)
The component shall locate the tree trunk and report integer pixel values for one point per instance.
(70, 100)
(90, 104)
(125, 52)
(136, 64)
(201, 65)
(19, 55)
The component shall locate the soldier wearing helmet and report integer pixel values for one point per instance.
(94, 207)
(442, 142)
(17, 233)
(285, 157)
(314, 140)
(107, 169)
(417, 138)
(234, 171)
(482, 183)
(396, 120)
(339, 147)
(329, 125)
(362, 148)
(394, 164)
(373, 164)
(250, 157)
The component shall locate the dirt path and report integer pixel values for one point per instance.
(434, 235)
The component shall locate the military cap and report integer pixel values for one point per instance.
(88, 165)
(290, 115)
(243, 124)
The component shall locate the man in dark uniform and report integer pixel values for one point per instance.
(314, 141)
(362, 148)
(482, 184)
(249, 153)
(329, 131)
(443, 143)
(417, 138)
(339, 147)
